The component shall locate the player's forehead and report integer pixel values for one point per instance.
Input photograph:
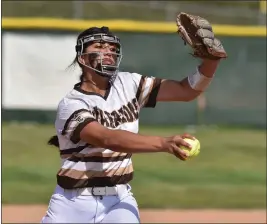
(105, 43)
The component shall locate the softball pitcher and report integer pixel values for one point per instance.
(97, 128)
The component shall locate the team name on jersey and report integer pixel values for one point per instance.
(127, 113)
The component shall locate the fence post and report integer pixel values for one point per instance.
(262, 12)
(201, 106)
(77, 9)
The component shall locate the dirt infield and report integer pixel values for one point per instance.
(33, 214)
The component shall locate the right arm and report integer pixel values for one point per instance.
(127, 142)
(79, 124)
(120, 140)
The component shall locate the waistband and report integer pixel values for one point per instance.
(96, 191)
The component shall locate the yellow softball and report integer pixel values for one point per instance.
(195, 150)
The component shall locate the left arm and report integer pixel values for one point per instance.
(172, 90)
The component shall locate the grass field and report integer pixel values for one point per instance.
(230, 171)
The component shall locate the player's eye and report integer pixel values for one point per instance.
(113, 49)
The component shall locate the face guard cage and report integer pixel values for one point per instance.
(102, 69)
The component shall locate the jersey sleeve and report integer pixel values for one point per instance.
(72, 118)
(147, 89)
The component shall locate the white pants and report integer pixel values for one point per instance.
(68, 206)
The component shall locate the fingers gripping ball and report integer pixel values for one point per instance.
(195, 150)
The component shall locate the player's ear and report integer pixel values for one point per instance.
(81, 59)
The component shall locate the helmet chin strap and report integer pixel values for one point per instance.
(98, 69)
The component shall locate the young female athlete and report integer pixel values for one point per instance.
(97, 131)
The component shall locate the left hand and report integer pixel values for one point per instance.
(198, 33)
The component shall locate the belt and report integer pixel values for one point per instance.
(102, 191)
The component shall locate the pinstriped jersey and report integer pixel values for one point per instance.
(86, 165)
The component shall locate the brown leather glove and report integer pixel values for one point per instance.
(197, 32)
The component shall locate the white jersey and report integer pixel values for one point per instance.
(84, 165)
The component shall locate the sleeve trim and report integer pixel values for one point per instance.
(140, 88)
(75, 137)
(68, 121)
(152, 100)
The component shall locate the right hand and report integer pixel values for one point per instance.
(172, 145)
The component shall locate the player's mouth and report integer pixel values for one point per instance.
(108, 61)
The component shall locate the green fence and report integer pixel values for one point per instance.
(236, 96)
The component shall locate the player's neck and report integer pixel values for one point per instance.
(95, 83)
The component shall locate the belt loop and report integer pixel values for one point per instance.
(71, 194)
(106, 190)
(74, 194)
